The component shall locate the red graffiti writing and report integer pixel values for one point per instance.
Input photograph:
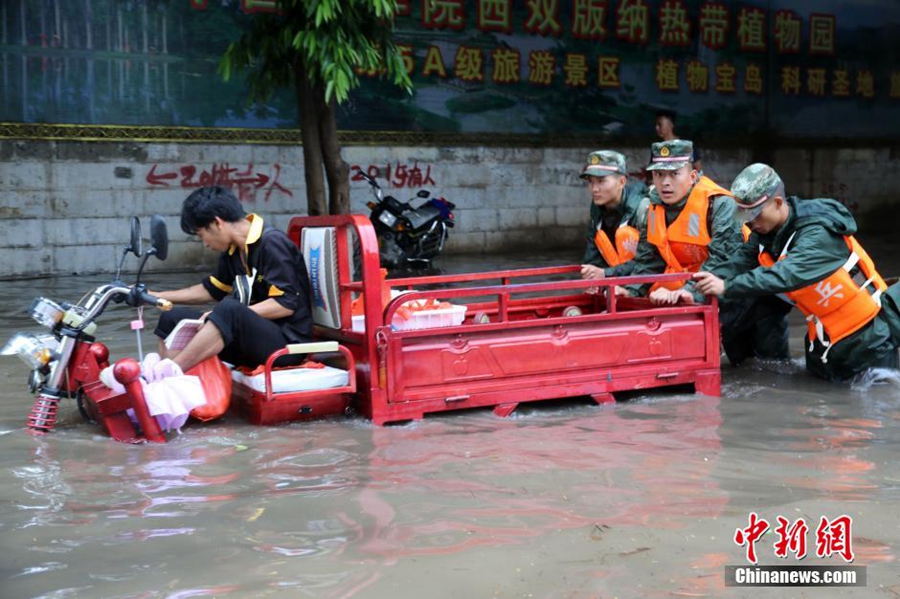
(245, 183)
(398, 175)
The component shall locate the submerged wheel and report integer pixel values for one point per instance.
(79, 400)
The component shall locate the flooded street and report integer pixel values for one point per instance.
(562, 500)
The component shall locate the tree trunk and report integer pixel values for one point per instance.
(337, 171)
(312, 148)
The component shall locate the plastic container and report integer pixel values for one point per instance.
(422, 319)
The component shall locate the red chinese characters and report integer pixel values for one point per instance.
(674, 26)
(444, 14)
(506, 65)
(697, 76)
(790, 81)
(749, 536)
(469, 64)
(667, 75)
(725, 75)
(495, 15)
(753, 80)
(397, 175)
(633, 21)
(833, 536)
(821, 34)
(815, 82)
(895, 85)
(751, 30)
(786, 32)
(541, 67)
(791, 538)
(714, 25)
(543, 17)
(588, 19)
(246, 183)
(576, 70)
(865, 84)
(608, 72)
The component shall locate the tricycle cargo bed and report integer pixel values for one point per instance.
(526, 335)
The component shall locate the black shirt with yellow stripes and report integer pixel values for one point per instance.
(272, 267)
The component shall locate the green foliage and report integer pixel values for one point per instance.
(332, 40)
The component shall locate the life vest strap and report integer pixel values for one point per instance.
(851, 262)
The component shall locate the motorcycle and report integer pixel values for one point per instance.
(67, 361)
(408, 237)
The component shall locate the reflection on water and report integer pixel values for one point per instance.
(561, 500)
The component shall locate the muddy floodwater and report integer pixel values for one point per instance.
(562, 500)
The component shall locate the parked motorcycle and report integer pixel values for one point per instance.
(408, 237)
(67, 361)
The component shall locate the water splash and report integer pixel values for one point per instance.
(867, 379)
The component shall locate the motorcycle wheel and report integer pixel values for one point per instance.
(79, 400)
(432, 244)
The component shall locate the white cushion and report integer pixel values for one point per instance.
(295, 379)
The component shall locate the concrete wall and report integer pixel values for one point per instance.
(64, 206)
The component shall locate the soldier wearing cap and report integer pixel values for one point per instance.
(806, 250)
(690, 223)
(616, 213)
(691, 227)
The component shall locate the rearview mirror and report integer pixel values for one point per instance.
(423, 193)
(159, 235)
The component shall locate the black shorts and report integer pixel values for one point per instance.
(249, 338)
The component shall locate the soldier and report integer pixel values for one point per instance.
(617, 210)
(691, 227)
(806, 250)
(665, 130)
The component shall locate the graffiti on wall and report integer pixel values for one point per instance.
(397, 175)
(246, 183)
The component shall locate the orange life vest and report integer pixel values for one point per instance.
(626, 244)
(684, 245)
(837, 306)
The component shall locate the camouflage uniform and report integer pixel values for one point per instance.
(632, 208)
(816, 230)
(672, 155)
(735, 315)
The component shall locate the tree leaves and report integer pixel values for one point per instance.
(334, 40)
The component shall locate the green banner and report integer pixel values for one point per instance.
(553, 68)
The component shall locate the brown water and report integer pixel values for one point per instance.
(560, 500)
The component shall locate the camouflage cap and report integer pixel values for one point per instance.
(753, 187)
(671, 155)
(604, 162)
